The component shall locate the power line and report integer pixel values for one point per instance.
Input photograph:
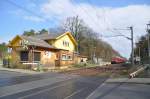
(25, 9)
(97, 14)
(106, 22)
(91, 17)
(35, 14)
(28, 11)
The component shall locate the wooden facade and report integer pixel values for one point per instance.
(50, 53)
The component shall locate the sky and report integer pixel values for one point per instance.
(103, 16)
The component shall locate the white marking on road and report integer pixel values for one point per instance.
(42, 91)
(95, 91)
(74, 93)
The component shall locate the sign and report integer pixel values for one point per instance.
(138, 59)
(48, 53)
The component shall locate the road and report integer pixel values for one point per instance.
(66, 86)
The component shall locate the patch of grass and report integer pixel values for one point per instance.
(79, 65)
(82, 65)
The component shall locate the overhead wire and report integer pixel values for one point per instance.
(37, 15)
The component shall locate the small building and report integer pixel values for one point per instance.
(50, 50)
(82, 59)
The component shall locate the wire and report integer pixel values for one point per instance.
(91, 17)
(97, 14)
(106, 22)
(35, 14)
(27, 10)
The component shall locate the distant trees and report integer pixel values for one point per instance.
(3, 50)
(33, 32)
(29, 33)
(43, 31)
(141, 48)
(89, 43)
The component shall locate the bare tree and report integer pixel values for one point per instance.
(89, 43)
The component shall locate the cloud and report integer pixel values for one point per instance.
(102, 19)
(34, 18)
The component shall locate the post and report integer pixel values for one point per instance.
(132, 46)
(77, 33)
(139, 55)
(148, 44)
(94, 56)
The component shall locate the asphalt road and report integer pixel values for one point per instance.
(63, 86)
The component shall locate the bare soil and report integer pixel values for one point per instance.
(113, 69)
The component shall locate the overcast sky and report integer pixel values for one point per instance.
(101, 15)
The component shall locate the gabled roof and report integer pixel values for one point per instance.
(55, 36)
(40, 40)
(48, 36)
(36, 42)
(32, 41)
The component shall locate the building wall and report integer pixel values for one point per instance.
(61, 62)
(48, 59)
(59, 43)
(15, 56)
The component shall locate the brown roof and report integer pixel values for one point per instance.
(48, 36)
(37, 42)
(40, 40)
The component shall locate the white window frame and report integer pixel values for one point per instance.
(63, 58)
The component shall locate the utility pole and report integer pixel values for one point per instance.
(132, 46)
(148, 43)
(77, 32)
(132, 42)
(139, 55)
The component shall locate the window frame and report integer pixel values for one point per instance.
(24, 60)
(36, 61)
(63, 58)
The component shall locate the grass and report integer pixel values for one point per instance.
(83, 65)
(1, 62)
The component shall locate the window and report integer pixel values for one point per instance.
(65, 43)
(69, 57)
(64, 57)
(24, 55)
(37, 56)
